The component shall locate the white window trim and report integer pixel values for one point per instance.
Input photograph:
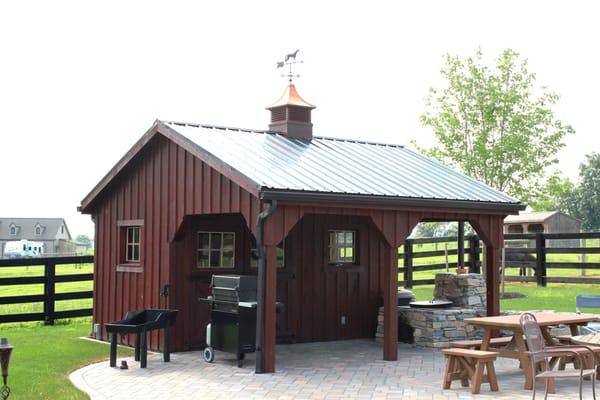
(13, 230)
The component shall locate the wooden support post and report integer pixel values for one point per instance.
(540, 259)
(492, 267)
(408, 264)
(270, 327)
(49, 277)
(474, 263)
(390, 308)
(461, 244)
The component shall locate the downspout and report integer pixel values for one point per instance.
(260, 306)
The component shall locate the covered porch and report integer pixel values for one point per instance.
(294, 250)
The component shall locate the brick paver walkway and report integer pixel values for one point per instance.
(331, 370)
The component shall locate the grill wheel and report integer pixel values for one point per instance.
(209, 354)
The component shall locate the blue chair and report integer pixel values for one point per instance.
(584, 301)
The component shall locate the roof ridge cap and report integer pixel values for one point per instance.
(270, 132)
(360, 141)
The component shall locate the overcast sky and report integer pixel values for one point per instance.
(80, 82)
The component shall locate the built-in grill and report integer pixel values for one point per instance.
(233, 316)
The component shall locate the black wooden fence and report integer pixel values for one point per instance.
(408, 255)
(534, 257)
(49, 297)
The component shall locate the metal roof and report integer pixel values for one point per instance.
(290, 97)
(537, 216)
(335, 166)
(26, 228)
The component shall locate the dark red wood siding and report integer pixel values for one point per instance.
(161, 185)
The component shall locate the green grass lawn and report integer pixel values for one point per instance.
(45, 355)
(557, 296)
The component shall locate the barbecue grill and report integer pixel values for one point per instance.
(140, 322)
(233, 316)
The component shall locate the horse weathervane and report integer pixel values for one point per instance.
(290, 60)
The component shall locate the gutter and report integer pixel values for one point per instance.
(321, 197)
(260, 306)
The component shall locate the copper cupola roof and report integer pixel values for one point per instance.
(290, 97)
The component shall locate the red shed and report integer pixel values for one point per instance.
(191, 200)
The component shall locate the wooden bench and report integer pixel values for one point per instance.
(475, 344)
(467, 364)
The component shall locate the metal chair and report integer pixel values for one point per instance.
(539, 355)
(585, 301)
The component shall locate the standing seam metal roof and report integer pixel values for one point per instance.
(328, 165)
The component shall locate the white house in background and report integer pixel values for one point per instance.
(52, 232)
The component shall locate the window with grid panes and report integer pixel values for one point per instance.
(216, 250)
(342, 247)
(133, 244)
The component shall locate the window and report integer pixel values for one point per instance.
(535, 228)
(62, 229)
(133, 244)
(515, 229)
(38, 230)
(130, 245)
(280, 254)
(13, 230)
(216, 250)
(342, 247)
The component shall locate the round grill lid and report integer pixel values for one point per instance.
(431, 304)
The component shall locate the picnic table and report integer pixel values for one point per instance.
(517, 348)
(592, 339)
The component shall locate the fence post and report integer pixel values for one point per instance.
(461, 244)
(540, 259)
(49, 275)
(408, 264)
(475, 266)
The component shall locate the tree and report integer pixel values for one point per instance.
(556, 195)
(586, 198)
(494, 124)
(83, 239)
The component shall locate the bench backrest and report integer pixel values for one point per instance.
(584, 301)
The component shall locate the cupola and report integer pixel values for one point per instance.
(290, 115)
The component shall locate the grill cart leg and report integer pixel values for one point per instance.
(240, 360)
(113, 350)
(143, 350)
(137, 347)
(166, 339)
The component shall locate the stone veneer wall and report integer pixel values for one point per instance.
(436, 327)
(464, 290)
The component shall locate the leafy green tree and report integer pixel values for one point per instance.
(83, 239)
(495, 124)
(585, 201)
(557, 194)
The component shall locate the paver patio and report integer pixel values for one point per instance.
(327, 370)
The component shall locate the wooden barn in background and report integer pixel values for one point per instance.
(189, 200)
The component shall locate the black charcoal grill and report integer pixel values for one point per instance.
(140, 322)
(233, 316)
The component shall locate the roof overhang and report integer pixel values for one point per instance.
(160, 128)
(388, 201)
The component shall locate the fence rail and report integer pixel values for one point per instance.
(533, 258)
(49, 296)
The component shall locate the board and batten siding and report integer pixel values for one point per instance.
(161, 185)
